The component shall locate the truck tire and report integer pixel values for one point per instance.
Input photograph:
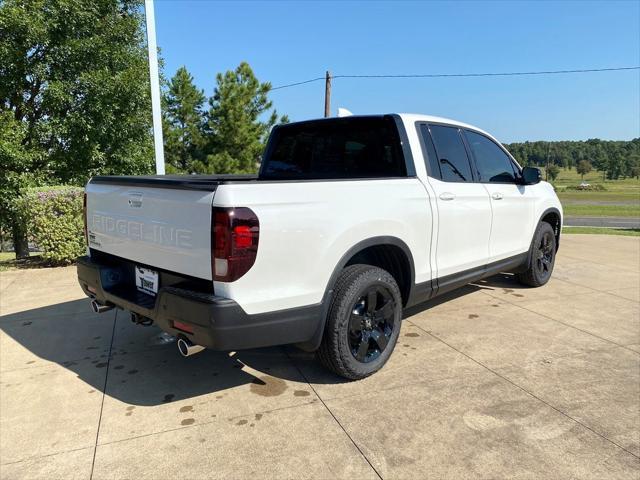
(363, 322)
(542, 256)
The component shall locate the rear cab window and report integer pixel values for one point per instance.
(337, 148)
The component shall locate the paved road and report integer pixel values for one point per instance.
(612, 222)
(492, 381)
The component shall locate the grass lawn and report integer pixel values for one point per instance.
(597, 210)
(628, 232)
(621, 198)
(8, 261)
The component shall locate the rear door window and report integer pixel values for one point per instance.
(493, 164)
(353, 147)
(452, 155)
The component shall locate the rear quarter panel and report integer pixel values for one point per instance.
(306, 228)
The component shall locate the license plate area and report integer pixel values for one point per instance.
(147, 280)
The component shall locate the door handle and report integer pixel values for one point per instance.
(496, 196)
(447, 196)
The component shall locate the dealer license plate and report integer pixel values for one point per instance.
(147, 280)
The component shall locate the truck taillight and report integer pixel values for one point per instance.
(84, 217)
(234, 242)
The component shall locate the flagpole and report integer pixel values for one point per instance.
(155, 85)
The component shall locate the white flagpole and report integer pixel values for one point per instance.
(155, 85)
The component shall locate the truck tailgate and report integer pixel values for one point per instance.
(167, 228)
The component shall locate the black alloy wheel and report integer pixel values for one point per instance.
(542, 256)
(545, 253)
(371, 324)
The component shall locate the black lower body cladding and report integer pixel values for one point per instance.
(217, 322)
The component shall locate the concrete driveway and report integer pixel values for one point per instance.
(493, 381)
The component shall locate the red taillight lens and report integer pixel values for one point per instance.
(185, 327)
(234, 242)
(84, 217)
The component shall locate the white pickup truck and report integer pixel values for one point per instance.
(349, 221)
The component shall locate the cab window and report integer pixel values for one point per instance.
(493, 164)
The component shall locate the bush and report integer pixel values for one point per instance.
(597, 187)
(53, 216)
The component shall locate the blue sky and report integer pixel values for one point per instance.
(285, 42)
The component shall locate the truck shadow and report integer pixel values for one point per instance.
(501, 281)
(141, 365)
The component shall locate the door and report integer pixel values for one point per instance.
(464, 210)
(511, 202)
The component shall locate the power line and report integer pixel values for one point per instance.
(297, 83)
(452, 75)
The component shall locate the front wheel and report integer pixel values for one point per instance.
(363, 323)
(542, 257)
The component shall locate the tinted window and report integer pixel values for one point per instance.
(431, 159)
(452, 156)
(354, 147)
(493, 164)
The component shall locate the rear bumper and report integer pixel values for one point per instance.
(218, 323)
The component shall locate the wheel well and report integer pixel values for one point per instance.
(553, 219)
(390, 258)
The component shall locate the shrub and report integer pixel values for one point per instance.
(596, 187)
(53, 216)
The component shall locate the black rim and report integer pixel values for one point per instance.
(371, 324)
(544, 258)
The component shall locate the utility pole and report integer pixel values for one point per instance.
(546, 168)
(154, 78)
(327, 94)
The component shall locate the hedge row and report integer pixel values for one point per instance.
(53, 217)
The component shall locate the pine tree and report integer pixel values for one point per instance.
(235, 127)
(183, 124)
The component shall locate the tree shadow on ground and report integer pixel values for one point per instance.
(141, 365)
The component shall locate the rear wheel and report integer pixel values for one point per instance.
(542, 257)
(363, 322)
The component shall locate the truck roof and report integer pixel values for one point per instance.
(417, 117)
(408, 118)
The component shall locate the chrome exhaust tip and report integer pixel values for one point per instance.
(188, 348)
(100, 308)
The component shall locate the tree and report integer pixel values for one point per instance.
(183, 123)
(553, 171)
(234, 126)
(74, 94)
(583, 168)
(634, 165)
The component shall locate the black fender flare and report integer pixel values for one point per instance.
(544, 214)
(327, 297)
(557, 212)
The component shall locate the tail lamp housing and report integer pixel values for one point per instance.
(84, 217)
(234, 242)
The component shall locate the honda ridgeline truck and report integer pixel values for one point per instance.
(349, 221)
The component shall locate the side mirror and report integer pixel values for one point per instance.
(531, 175)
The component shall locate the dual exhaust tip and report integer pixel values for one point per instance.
(99, 307)
(185, 346)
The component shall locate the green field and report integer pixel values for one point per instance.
(621, 198)
(627, 232)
